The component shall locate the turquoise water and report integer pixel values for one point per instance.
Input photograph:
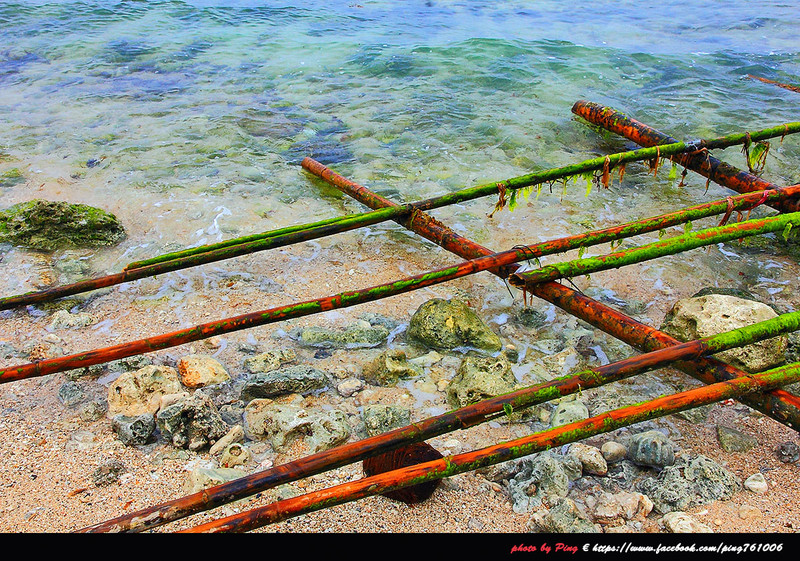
(202, 111)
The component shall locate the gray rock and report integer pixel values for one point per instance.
(191, 422)
(569, 412)
(450, 324)
(704, 316)
(50, 225)
(359, 335)
(381, 418)
(389, 367)
(134, 430)
(564, 517)
(731, 440)
(590, 457)
(203, 478)
(613, 451)
(92, 411)
(283, 424)
(292, 379)
(545, 476)
(480, 377)
(71, 394)
(651, 448)
(62, 319)
(689, 483)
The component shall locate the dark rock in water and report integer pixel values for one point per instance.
(788, 452)
(325, 150)
(121, 51)
(406, 456)
(50, 225)
(71, 394)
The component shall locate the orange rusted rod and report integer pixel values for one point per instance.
(461, 463)
(702, 163)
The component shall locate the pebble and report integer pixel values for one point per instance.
(748, 512)
(613, 451)
(350, 386)
(682, 523)
(756, 483)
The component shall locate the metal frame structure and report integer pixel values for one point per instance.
(761, 391)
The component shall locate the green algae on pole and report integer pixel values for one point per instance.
(678, 244)
(703, 163)
(491, 455)
(462, 418)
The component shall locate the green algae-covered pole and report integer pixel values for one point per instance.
(654, 250)
(294, 234)
(491, 455)
(462, 418)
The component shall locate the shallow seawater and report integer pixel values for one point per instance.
(189, 119)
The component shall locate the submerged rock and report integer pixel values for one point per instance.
(704, 316)
(450, 324)
(479, 378)
(731, 440)
(51, 225)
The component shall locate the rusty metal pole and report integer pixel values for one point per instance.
(702, 163)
